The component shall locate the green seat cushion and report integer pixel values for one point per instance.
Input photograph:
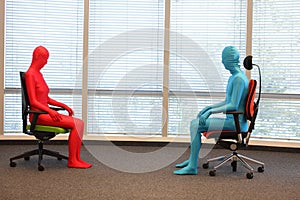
(53, 129)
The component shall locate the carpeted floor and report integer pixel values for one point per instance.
(145, 172)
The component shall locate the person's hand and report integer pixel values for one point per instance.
(55, 115)
(70, 111)
(204, 110)
(203, 118)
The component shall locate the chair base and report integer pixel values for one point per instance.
(234, 157)
(40, 152)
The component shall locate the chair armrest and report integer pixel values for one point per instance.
(233, 112)
(36, 114)
(237, 123)
(57, 108)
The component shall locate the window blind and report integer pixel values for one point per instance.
(57, 25)
(125, 63)
(125, 67)
(276, 49)
(199, 32)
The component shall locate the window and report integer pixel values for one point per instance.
(57, 25)
(126, 42)
(276, 49)
(135, 48)
(199, 32)
(125, 66)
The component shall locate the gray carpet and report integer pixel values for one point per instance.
(108, 179)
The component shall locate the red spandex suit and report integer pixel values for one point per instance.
(38, 92)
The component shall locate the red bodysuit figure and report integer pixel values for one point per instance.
(38, 92)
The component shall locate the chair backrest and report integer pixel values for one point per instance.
(25, 102)
(250, 104)
(251, 107)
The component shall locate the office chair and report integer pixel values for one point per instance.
(235, 139)
(40, 132)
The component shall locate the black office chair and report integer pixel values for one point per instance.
(40, 132)
(235, 139)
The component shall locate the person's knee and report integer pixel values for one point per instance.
(194, 124)
(79, 124)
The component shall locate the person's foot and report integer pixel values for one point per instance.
(79, 164)
(186, 171)
(86, 164)
(183, 164)
(82, 161)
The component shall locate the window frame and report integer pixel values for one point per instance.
(165, 93)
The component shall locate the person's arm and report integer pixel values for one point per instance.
(235, 99)
(30, 85)
(207, 108)
(233, 104)
(60, 104)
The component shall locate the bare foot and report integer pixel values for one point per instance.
(79, 164)
(183, 164)
(186, 171)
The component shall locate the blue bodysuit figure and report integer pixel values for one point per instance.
(235, 100)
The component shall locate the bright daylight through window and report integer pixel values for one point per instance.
(135, 48)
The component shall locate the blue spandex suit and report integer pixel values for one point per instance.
(236, 94)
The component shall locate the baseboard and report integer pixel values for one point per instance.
(150, 144)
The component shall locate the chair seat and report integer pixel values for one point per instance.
(223, 134)
(217, 133)
(52, 129)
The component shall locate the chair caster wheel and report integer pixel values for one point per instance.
(41, 168)
(12, 164)
(205, 165)
(260, 169)
(212, 173)
(26, 158)
(249, 175)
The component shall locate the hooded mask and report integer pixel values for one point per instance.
(230, 57)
